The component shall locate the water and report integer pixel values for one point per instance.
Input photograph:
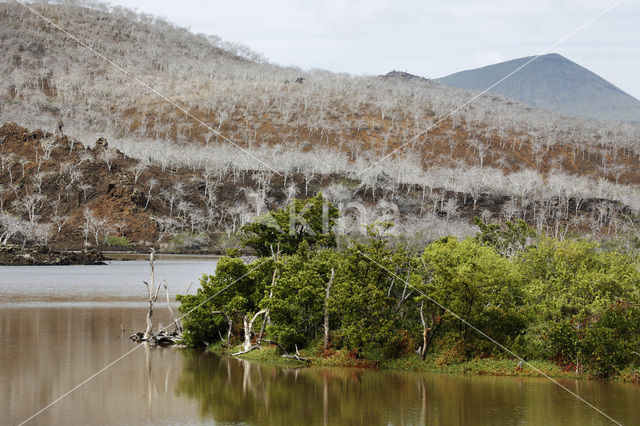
(60, 325)
(118, 281)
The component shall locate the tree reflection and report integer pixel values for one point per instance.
(231, 390)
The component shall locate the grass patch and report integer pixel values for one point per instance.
(339, 358)
(269, 354)
(480, 366)
(117, 241)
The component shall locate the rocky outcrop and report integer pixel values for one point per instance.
(14, 255)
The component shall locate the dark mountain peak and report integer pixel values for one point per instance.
(401, 75)
(554, 56)
(554, 83)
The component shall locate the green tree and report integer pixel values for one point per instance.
(296, 299)
(508, 239)
(369, 297)
(225, 300)
(571, 286)
(611, 340)
(311, 220)
(480, 286)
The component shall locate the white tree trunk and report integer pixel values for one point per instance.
(248, 329)
(425, 334)
(176, 321)
(153, 296)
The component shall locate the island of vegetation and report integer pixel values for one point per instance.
(507, 301)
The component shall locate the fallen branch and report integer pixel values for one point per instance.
(296, 356)
(160, 339)
(247, 350)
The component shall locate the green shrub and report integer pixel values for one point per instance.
(189, 240)
(116, 241)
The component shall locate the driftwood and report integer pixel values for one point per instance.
(296, 356)
(244, 351)
(162, 337)
(285, 353)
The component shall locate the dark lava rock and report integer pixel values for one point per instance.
(102, 142)
(15, 255)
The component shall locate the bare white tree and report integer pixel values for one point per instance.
(23, 161)
(152, 184)
(137, 170)
(10, 226)
(60, 221)
(84, 187)
(107, 156)
(3, 196)
(31, 205)
(165, 226)
(93, 226)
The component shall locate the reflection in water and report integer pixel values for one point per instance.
(44, 352)
(48, 348)
(237, 391)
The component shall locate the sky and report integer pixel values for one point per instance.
(427, 38)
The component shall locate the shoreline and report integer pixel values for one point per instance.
(12, 255)
(141, 255)
(476, 367)
(46, 256)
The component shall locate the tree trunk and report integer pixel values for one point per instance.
(176, 321)
(230, 323)
(153, 296)
(326, 310)
(425, 334)
(266, 314)
(248, 328)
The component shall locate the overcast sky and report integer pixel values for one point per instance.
(428, 38)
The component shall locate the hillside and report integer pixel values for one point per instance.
(249, 135)
(554, 83)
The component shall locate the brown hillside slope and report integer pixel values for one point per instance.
(300, 131)
(69, 195)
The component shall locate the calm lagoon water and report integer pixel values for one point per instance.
(60, 325)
